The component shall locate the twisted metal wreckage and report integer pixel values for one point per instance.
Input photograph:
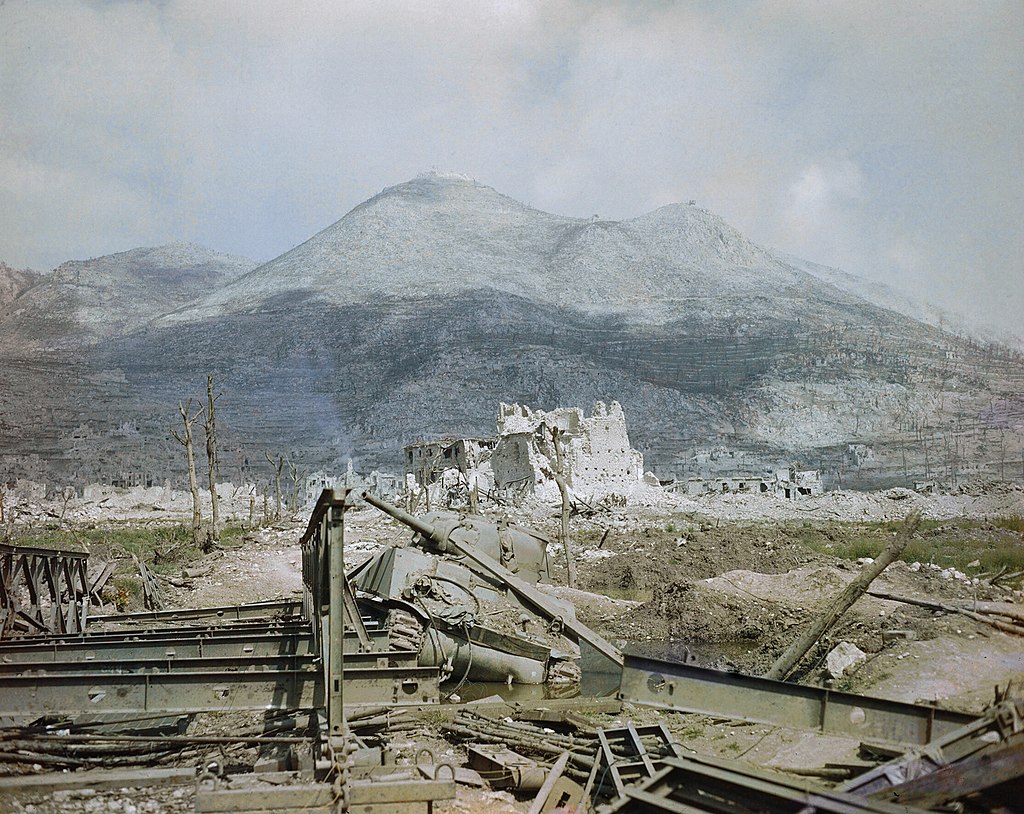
(364, 653)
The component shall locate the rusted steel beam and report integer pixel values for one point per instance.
(96, 779)
(27, 697)
(256, 645)
(161, 663)
(277, 609)
(369, 796)
(1001, 726)
(203, 629)
(688, 688)
(698, 784)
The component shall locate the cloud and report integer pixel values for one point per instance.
(843, 132)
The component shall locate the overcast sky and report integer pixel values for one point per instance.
(884, 138)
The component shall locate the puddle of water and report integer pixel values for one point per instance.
(703, 654)
(601, 677)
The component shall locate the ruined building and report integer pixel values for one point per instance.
(520, 459)
(785, 482)
(596, 451)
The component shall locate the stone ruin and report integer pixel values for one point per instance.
(520, 460)
(596, 451)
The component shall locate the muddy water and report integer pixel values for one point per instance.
(600, 676)
(600, 679)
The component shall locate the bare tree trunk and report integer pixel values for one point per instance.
(296, 474)
(830, 615)
(563, 490)
(185, 439)
(210, 425)
(277, 481)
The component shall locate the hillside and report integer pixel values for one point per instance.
(14, 282)
(441, 236)
(425, 306)
(84, 301)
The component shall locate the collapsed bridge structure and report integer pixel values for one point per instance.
(128, 686)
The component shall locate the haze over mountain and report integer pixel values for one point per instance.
(425, 306)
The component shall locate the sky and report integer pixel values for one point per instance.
(883, 138)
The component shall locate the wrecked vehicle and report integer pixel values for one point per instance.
(463, 597)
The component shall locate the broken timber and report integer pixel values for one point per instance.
(830, 615)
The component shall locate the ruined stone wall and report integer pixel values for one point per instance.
(596, 449)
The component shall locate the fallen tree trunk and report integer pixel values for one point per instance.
(1008, 609)
(1006, 627)
(788, 660)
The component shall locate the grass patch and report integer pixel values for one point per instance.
(1014, 522)
(949, 543)
(690, 731)
(166, 549)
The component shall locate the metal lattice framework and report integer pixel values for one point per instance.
(42, 591)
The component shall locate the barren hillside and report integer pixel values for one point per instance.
(421, 309)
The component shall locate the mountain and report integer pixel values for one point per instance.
(890, 298)
(427, 305)
(13, 282)
(444, 235)
(85, 301)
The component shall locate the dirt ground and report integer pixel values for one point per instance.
(733, 593)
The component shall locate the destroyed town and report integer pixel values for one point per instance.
(475, 501)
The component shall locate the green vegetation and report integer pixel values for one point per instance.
(994, 543)
(164, 548)
(690, 731)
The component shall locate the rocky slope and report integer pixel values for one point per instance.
(14, 282)
(442, 236)
(420, 310)
(84, 301)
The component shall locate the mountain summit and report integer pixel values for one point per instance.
(444, 235)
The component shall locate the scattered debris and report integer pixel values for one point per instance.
(844, 658)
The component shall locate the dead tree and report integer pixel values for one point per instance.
(188, 418)
(296, 475)
(563, 490)
(277, 467)
(67, 494)
(210, 425)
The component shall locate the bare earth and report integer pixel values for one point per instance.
(734, 593)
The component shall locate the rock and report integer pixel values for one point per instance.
(844, 658)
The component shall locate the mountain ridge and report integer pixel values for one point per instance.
(438, 235)
(421, 309)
